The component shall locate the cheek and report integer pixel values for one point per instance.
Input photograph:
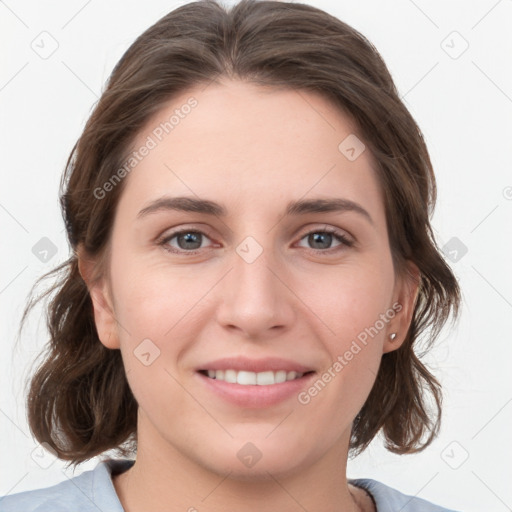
(154, 326)
(159, 313)
(353, 306)
(154, 300)
(355, 352)
(350, 300)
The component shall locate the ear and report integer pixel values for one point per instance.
(404, 300)
(99, 291)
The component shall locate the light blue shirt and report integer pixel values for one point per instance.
(93, 491)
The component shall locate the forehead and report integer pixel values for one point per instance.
(252, 146)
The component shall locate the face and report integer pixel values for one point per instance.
(275, 266)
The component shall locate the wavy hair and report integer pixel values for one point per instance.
(79, 400)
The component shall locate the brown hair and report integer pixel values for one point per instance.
(79, 401)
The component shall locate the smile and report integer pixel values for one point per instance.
(247, 378)
(247, 389)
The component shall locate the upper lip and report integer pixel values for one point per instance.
(255, 365)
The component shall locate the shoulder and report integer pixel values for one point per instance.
(388, 499)
(90, 491)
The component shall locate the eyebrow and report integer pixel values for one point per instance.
(294, 208)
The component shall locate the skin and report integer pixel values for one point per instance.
(253, 150)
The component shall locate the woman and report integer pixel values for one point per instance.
(252, 268)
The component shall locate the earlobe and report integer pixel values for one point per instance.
(406, 294)
(104, 317)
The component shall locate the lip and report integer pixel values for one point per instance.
(254, 396)
(255, 365)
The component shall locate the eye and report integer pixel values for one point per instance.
(187, 241)
(321, 240)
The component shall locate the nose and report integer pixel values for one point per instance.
(255, 299)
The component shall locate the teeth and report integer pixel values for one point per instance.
(265, 378)
(280, 376)
(246, 378)
(229, 376)
(251, 378)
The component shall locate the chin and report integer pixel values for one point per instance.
(255, 458)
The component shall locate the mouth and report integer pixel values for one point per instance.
(254, 382)
(248, 378)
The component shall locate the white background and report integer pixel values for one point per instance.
(464, 108)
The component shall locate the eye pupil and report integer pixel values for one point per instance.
(324, 239)
(190, 237)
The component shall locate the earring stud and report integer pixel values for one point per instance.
(392, 336)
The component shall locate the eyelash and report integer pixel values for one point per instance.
(337, 235)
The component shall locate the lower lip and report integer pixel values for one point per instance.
(254, 396)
